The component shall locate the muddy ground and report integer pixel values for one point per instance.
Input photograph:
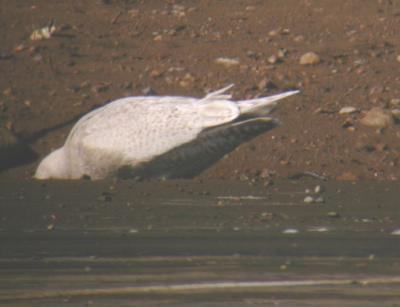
(103, 50)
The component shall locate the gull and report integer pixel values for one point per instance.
(164, 137)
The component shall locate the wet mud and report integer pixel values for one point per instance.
(296, 242)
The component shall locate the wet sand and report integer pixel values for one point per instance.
(192, 242)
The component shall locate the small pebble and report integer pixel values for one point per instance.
(396, 114)
(347, 110)
(318, 189)
(318, 229)
(395, 102)
(333, 214)
(396, 232)
(309, 58)
(272, 59)
(227, 62)
(377, 118)
(290, 231)
(398, 58)
(309, 199)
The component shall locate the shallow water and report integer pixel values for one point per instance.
(112, 241)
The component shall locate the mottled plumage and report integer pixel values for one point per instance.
(158, 137)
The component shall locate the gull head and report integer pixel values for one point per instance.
(53, 166)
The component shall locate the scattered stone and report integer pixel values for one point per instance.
(43, 33)
(19, 48)
(377, 118)
(8, 92)
(347, 110)
(395, 102)
(133, 13)
(281, 53)
(298, 38)
(187, 80)
(398, 58)
(227, 62)
(290, 231)
(396, 114)
(396, 232)
(318, 229)
(155, 73)
(273, 32)
(309, 58)
(381, 147)
(333, 214)
(272, 59)
(318, 189)
(309, 200)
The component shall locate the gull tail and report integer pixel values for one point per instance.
(262, 106)
(219, 94)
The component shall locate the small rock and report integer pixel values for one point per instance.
(309, 58)
(185, 83)
(281, 53)
(272, 59)
(381, 147)
(318, 229)
(298, 38)
(227, 62)
(398, 58)
(347, 110)
(274, 32)
(395, 102)
(396, 114)
(333, 214)
(155, 73)
(308, 200)
(290, 231)
(378, 118)
(318, 189)
(396, 232)
(43, 33)
(133, 13)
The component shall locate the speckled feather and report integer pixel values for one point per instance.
(132, 132)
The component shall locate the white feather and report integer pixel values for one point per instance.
(134, 130)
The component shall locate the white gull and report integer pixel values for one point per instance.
(158, 137)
